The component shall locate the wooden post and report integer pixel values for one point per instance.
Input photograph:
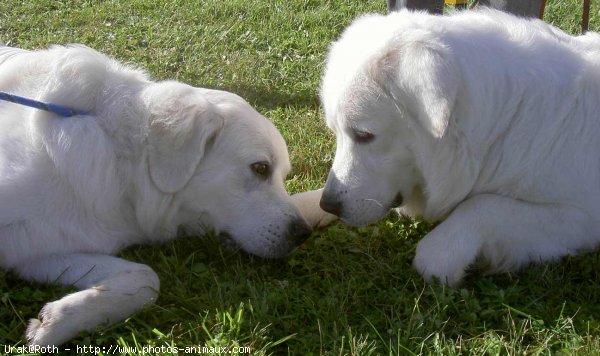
(585, 17)
(433, 6)
(527, 8)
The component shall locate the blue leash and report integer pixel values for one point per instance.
(57, 109)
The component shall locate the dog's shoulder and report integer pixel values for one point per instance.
(86, 78)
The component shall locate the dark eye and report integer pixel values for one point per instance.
(362, 136)
(261, 169)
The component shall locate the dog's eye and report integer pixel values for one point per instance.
(362, 136)
(261, 169)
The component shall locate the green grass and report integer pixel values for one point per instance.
(346, 291)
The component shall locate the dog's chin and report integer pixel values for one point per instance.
(233, 246)
(358, 219)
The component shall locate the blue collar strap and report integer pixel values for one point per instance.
(57, 109)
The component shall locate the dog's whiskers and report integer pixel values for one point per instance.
(377, 202)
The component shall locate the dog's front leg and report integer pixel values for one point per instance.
(111, 289)
(507, 233)
(308, 204)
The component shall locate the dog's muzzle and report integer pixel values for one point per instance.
(296, 233)
(331, 205)
(330, 201)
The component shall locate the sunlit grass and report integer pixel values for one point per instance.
(347, 290)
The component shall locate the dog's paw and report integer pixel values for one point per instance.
(41, 331)
(35, 333)
(52, 327)
(40, 334)
(308, 204)
(325, 220)
(445, 273)
(445, 257)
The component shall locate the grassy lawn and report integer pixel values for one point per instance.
(346, 291)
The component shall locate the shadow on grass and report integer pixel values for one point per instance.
(266, 98)
(346, 291)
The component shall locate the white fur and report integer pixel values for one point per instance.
(484, 121)
(150, 157)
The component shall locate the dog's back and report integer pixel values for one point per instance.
(42, 154)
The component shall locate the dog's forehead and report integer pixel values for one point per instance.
(252, 130)
(265, 135)
(351, 80)
(265, 132)
(349, 109)
(340, 102)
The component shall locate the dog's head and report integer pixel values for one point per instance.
(388, 94)
(218, 164)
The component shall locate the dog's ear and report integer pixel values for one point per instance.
(181, 126)
(423, 80)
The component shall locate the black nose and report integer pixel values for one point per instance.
(298, 232)
(398, 199)
(330, 205)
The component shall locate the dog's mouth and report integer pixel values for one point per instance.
(229, 242)
(398, 200)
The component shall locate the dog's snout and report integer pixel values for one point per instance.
(298, 232)
(398, 199)
(331, 205)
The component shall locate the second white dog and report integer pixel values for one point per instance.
(485, 121)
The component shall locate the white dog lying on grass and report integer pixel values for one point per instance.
(149, 157)
(487, 122)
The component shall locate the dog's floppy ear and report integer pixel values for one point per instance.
(181, 126)
(424, 81)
